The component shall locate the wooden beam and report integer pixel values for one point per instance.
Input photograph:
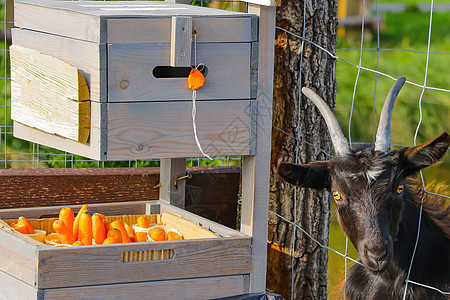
(172, 189)
(256, 169)
(49, 94)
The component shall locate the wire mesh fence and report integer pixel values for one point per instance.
(18, 154)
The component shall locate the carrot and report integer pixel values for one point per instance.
(141, 236)
(119, 225)
(24, 221)
(77, 221)
(20, 228)
(158, 234)
(98, 229)
(114, 233)
(129, 229)
(85, 228)
(110, 240)
(143, 222)
(64, 232)
(67, 216)
(78, 243)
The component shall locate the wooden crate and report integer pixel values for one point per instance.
(213, 260)
(134, 114)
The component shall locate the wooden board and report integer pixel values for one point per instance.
(164, 129)
(95, 148)
(228, 74)
(210, 30)
(49, 94)
(89, 58)
(129, 22)
(195, 289)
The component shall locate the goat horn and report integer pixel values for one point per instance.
(338, 139)
(383, 138)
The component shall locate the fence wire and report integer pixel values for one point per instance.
(38, 157)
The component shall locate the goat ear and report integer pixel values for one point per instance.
(314, 175)
(424, 155)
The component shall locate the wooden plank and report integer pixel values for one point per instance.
(194, 289)
(57, 21)
(49, 94)
(145, 130)
(191, 230)
(89, 58)
(181, 42)
(18, 256)
(172, 190)
(210, 30)
(228, 72)
(59, 187)
(93, 265)
(108, 209)
(256, 169)
(95, 148)
(208, 224)
(13, 288)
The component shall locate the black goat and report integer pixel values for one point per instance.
(379, 213)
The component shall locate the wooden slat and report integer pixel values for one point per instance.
(210, 30)
(53, 187)
(256, 169)
(93, 265)
(18, 256)
(88, 57)
(13, 288)
(181, 41)
(57, 21)
(145, 130)
(228, 72)
(172, 191)
(206, 223)
(188, 289)
(49, 94)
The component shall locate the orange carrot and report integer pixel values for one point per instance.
(110, 240)
(78, 243)
(141, 236)
(98, 229)
(20, 228)
(143, 222)
(64, 232)
(119, 225)
(67, 216)
(85, 228)
(116, 234)
(77, 221)
(129, 229)
(24, 221)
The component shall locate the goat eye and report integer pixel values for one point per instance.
(400, 188)
(337, 196)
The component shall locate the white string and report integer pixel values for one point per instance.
(194, 97)
(194, 126)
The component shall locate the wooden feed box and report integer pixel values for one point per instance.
(126, 52)
(212, 261)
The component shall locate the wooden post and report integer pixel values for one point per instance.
(256, 169)
(171, 190)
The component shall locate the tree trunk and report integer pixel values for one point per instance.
(297, 266)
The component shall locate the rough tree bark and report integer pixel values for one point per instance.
(308, 260)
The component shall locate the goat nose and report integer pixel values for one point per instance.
(376, 253)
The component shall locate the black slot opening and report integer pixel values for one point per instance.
(176, 72)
